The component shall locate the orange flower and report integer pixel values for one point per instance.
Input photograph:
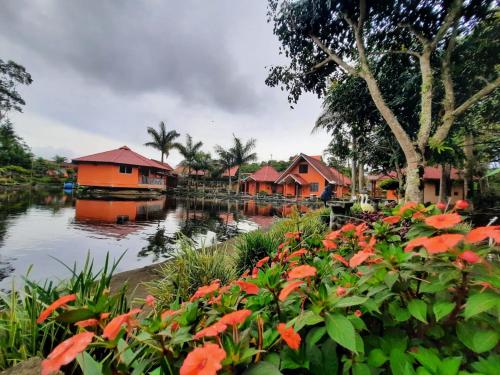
(261, 262)
(288, 335)
(207, 289)
(368, 248)
(294, 235)
(328, 244)
(60, 302)
(441, 205)
(66, 352)
(255, 272)
(87, 323)
(167, 313)
(442, 243)
(418, 216)
(211, 331)
(443, 221)
(298, 253)
(235, 317)
(332, 236)
(301, 272)
(203, 361)
(104, 316)
(289, 288)
(461, 204)
(391, 219)
(341, 259)
(359, 258)
(416, 242)
(150, 300)
(470, 256)
(114, 327)
(407, 206)
(348, 227)
(248, 288)
(481, 233)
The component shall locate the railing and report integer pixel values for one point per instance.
(144, 180)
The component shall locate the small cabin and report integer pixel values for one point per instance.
(122, 169)
(263, 181)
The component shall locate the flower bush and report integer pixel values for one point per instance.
(363, 299)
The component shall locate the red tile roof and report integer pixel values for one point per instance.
(233, 171)
(430, 173)
(166, 165)
(300, 180)
(122, 155)
(265, 174)
(183, 171)
(330, 174)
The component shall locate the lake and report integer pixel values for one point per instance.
(45, 227)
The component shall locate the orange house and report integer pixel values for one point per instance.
(307, 177)
(121, 169)
(263, 180)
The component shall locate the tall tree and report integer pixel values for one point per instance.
(13, 150)
(12, 75)
(345, 37)
(202, 162)
(162, 139)
(226, 160)
(188, 152)
(242, 154)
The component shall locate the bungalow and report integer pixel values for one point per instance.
(307, 177)
(121, 169)
(231, 172)
(432, 176)
(263, 180)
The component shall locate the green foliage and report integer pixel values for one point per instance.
(162, 140)
(389, 184)
(13, 150)
(180, 277)
(12, 75)
(253, 246)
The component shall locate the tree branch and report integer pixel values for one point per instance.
(332, 56)
(411, 53)
(449, 20)
(422, 39)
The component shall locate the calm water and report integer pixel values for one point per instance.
(38, 227)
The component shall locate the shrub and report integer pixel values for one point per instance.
(252, 246)
(364, 300)
(389, 184)
(192, 268)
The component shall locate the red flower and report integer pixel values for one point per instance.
(207, 289)
(443, 221)
(407, 206)
(87, 323)
(261, 262)
(66, 352)
(328, 244)
(203, 361)
(248, 288)
(442, 243)
(211, 331)
(104, 316)
(54, 306)
(332, 236)
(301, 271)
(255, 272)
(461, 204)
(358, 313)
(288, 335)
(341, 259)
(418, 216)
(289, 288)
(294, 235)
(481, 233)
(470, 256)
(167, 313)
(359, 258)
(416, 242)
(441, 205)
(391, 219)
(298, 253)
(114, 327)
(348, 227)
(341, 291)
(235, 317)
(150, 300)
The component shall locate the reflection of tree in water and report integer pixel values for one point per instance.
(160, 245)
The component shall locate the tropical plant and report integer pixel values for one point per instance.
(13, 150)
(162, 140)
(242, 153)
(388, 184)
(189, 151)
(226, 160)
(202, 162)
(365, 299)
(253, 246)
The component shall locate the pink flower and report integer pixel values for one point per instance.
(150, 300)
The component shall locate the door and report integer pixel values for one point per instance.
(298, 190)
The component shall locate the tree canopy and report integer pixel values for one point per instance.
(12, 75)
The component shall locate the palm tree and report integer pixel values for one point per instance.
(188, 151)
(162, 140)
(242, 153)
(226, 159)
(202, 162)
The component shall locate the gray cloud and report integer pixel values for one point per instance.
(133, 47)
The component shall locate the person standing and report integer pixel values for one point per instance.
(326, 195)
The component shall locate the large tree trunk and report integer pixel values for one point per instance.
(361, 177)
(414, 184)
(469, 166)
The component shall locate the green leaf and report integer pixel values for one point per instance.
(360, 369)
(308, 318)
(488, 366)
(262, 368)
(477, 339)
(399, 314)
(441, 309)
(323, 359)
(377, 358)
(478, 303)
(73, 316)
(427, 358)
(88, 364)
(418, 309)
(341, 330)
(314, 335)
(450, 366)
(351, 301)
(126, 354)
(400, 363)
(390, 278)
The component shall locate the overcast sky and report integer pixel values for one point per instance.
(105, 70)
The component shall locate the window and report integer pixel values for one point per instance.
(314, 187)
(303, 168)
(125, 169)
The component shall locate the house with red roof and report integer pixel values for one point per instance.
(307, 177)
(121, 168)
(231, 172)
(263, 181)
